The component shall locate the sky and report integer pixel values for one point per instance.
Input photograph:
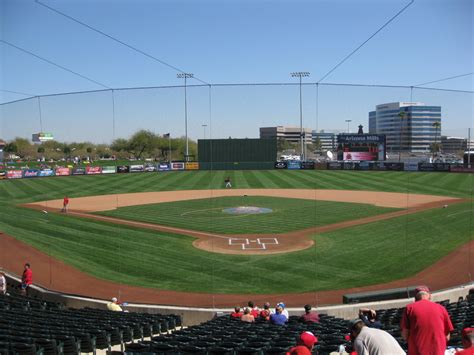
(228, 42)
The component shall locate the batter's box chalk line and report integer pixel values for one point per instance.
(253, 244)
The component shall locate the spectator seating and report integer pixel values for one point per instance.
(28, 326)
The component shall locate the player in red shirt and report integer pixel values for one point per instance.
(305, 344)
(26, 279)
(467, 342)
(65, 203)
(425, 325)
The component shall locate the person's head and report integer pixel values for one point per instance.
(266, 305)
(250, 304)
(281, 304)
(467, 338)
(246, 310)
(27, 266)
(356, 327)
(114, 299)
(307, 339)
(422, 293)
(237, 309)
(278, 309)
(2, 273)
(307, 308)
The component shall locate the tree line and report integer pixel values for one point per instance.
(142, 144)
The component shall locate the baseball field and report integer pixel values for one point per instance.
(175, 242)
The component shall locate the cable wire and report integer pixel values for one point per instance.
(52, 63)
(17, 92)
(367, 40)
(116, 40)
(448, 78)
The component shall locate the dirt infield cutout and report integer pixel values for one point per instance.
(250, 243)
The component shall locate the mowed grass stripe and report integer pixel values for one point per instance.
(338, 259)
(206, 214)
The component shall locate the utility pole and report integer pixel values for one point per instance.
(300, 75)
(186, 76)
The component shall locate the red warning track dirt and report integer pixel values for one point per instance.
(453, 269)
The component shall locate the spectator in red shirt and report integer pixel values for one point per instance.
(253, 310)
(309, 316)
(26, 279)
(236, 313)
(305, 344)
(467, 342)
(425, 325)
(265, 312)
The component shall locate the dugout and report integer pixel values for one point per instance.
(237, 154)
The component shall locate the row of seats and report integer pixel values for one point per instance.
(55, 330)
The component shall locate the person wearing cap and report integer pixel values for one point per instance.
(425, 325)
(369, 317)
(305, 344)
(372, 341)
(467, 337)
(283, 309)
(114, 306)
(278, 317)
(309, 316)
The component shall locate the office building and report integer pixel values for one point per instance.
(326, 140)
(408, 126)
(455, 144)
(290, 134)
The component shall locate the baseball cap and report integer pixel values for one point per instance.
(422, 288)
(353, 323)
(308, 339)
(307, 307)
(281, 304)
(114, 299)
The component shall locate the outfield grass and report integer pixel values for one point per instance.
(287, 214)
(369, 254)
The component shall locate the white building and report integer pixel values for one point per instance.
(408, 126)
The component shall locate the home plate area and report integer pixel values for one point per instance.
(253, 244)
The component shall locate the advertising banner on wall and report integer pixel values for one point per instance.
(164, 167)
(177, 166)
(281, 165)
(293, 164)
(137, 168)
(461, 169)
(410, 166)
(150, 168)
(307, 165)
(389, 166)
(191, 166)
(46, 172)
(30, 173)
(334, 165)
(63, 172)
(14, 174)
(93, 170)
(108, 170)
(123, 169)
(78, 171)
(359, 156)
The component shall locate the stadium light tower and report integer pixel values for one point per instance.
(186, 76)
(300, 75)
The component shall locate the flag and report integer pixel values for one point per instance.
(167, 135)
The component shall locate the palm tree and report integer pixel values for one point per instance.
(402, 115)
